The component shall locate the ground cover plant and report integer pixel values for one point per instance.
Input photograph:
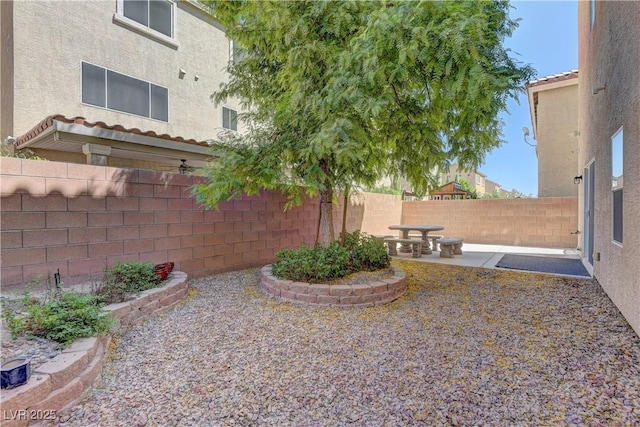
(64, 316)
(360, 252)
(61, 317)
(126, 279)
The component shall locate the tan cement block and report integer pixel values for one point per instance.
(64, 368)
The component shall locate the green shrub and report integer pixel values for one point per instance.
(368, 253)
(360, 252)
(62, 319)
(312, 264)
(127, 278)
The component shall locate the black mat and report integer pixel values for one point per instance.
(569, 266)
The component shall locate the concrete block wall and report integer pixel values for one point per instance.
(82, 218)
(543, 222)
(371, 213)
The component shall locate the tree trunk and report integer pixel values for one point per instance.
(318, 227)
(326, 207)
(326, 216)
(344, 214)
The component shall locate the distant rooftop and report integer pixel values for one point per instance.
(567, 75)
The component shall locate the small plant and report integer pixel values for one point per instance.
(127, 278)
(360, 252)
(368, 253)
(60, 317)
(312, 264)
(66, 318)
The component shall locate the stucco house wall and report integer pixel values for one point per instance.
(557, 147)
(609, 95)
(52, 39)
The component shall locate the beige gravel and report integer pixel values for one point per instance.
(464, 346)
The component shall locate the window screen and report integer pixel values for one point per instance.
(155, 14)
(127, 94)
(138, 10)
(229, 119)
(617, 215)
(160, 16)
(94, 85)
(115, 91)
(159, 103)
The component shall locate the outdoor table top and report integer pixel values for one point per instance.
(409, 227)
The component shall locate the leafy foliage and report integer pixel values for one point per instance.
(467, 187)
(339, 94)
(367, 252)
(360, 252)
(312, 264)
(127, 278)
(63, 318)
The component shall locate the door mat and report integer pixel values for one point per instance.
(566, 266)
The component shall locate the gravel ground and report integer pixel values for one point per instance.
(464, 346)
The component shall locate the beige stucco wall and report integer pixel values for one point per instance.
(6, 69)
(557, 120)
(53, 38)
(609, 55)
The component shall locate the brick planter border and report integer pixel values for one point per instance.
(375, 293)
(61, 382)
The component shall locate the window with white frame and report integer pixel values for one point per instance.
(229, 118)
(236, 52)
(115, 91)
(155, 18)
(617, 181)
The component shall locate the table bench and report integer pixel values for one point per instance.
(433, 237)
(416, 245)
(450, 246)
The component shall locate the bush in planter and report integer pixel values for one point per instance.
(312, 264)
(127, 278)
(368, 253)
(63, 318)
(360, 252)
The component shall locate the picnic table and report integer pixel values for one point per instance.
(424, 229)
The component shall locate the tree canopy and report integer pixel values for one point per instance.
(341, 93)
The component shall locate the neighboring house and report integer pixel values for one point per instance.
(492, 187)
(609, 157)
(553, 104)
(450, 191)
(476, 179)
(122, 83)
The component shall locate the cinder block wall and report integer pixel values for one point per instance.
(372, 213)
(81, 218)
(542, 222)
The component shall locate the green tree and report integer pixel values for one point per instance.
(338, 94)
(467, 187)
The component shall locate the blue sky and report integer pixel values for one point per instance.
(547, 38)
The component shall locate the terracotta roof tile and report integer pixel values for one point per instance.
(48, 122)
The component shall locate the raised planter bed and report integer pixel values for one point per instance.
(61, 382)
(362, 295)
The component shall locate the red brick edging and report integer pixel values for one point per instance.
(376, 293)
(61, 382)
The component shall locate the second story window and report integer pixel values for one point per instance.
(155, 14)
(107, 89)
(152, 18)
(229, 119)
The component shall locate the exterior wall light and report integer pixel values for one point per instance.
(181, 73)
(183, 168)
(577, 179)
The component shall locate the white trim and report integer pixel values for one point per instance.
(172, 42)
